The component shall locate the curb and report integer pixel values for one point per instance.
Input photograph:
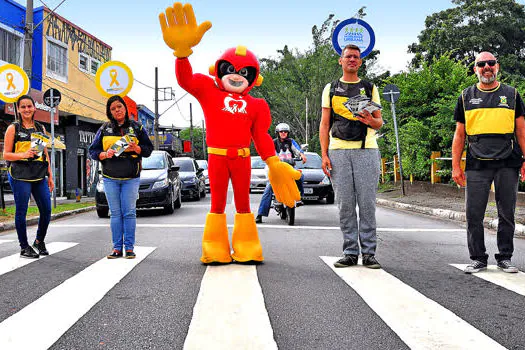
(446, 214)
(5, 226)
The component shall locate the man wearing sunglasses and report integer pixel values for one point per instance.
(489, 117)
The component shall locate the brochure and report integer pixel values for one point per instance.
(358, 103)
(121, 145)
(39, 142)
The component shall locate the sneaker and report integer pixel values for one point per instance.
(29, 252)
(115, 254)
(41, 248)
(507, 266)
(258, 219)
(370, 261)
(347, 260)
(475, 266)
(299, 204)
(130, 254)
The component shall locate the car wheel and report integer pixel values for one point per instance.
(102, 212)
(170, 208)
(178, 201)
(330, 198)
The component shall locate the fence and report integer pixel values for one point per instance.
(435, 168)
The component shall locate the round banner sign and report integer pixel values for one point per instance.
(354, 31)
(13, 83)
(114, 78)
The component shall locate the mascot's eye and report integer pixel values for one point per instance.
(230, 69)
(243, 72)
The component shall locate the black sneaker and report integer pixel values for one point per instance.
(258, 219)
(476, 266)
(299, 204)
(115, 254)
(370, 261)
(29, 252)
(41, 248)
(507, 266)
(130, 254)
(347, 260)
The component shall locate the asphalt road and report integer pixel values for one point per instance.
(166, 299)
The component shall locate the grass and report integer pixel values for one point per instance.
(9, 213)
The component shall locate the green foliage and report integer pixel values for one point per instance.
(197, 141)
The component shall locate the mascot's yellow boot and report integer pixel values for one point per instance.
(245, 240)
(215, 244)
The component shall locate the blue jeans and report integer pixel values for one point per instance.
(22, 190)
(122, 200)
(266, 199)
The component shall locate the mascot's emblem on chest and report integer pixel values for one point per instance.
(234, 106)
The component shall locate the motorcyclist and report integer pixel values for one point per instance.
(287, 149)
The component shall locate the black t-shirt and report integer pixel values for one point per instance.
(513, 161)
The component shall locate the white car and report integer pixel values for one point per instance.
(204, 165)
(259, 174)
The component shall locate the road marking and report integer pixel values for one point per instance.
(262, 227)
(14, 261)
(230, 312)
(511, 281)
(419, 321)
(65, 304)
(6, 240)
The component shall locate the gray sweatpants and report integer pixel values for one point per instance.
(355, 176)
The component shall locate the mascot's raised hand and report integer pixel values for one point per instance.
(282, 176)
(180, 30)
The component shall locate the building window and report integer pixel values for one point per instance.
(83, 62)
(10, 46)
(94, 66)
(88, 64)
(56, 60)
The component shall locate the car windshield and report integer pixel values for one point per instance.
(202, 164)
(185, 165)
(313, 161)
(155, 161)
(258, 163)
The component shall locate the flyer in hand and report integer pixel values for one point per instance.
(358, 103)
(121, 145)
(39, 142)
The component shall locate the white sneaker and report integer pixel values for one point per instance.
(507, 266)
(475, 266)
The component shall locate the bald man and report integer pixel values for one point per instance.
(489, 117)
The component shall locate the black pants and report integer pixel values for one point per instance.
(477, 195)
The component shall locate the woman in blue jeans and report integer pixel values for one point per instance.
(28, 169)
(121, 172)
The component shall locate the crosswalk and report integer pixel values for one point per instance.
(231, 309)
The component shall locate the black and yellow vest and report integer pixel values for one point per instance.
(489, 121)
(128, 164)
(343, 124)
(34, 169)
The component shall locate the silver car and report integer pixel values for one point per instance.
(204, 165)
(259, 174)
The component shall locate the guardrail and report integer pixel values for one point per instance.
(435, 169)
(390, 168)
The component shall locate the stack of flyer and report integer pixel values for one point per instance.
(358, 103)
(121, 145)
(39, 142)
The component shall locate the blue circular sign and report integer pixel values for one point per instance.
(354, 31)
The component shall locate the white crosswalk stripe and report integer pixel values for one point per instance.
(68, 302)
(419, 321)
(511, 281)
(14, 261)
(6, 241)
(230, 295)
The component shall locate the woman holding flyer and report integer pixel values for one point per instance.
(120, 145)
(25, 149)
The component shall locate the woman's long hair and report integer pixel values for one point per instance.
(25, 97)
(112, 120)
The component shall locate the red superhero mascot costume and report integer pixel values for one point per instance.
(233, 118)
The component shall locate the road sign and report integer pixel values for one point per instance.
(52, 97)
(354, 31)
(391, 93)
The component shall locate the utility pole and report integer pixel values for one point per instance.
(156, 126)
(306, 118)
(191, 134)
(203, 142)
(28, 40)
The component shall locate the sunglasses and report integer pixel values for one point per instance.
(491, 63)
(284, 131)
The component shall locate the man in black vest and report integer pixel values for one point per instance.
(351, 158)
(489, 116)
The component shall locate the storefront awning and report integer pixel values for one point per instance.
(58, 144)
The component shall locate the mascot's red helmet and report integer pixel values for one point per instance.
(240, 57)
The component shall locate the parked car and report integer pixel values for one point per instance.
(193, 183)
(160, 185)
(317, 185)
(259, 176)
(204, 165)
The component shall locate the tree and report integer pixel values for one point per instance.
(474, 26)
(197, 141)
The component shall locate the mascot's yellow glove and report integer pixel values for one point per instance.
(181, 32)
(282, 176)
